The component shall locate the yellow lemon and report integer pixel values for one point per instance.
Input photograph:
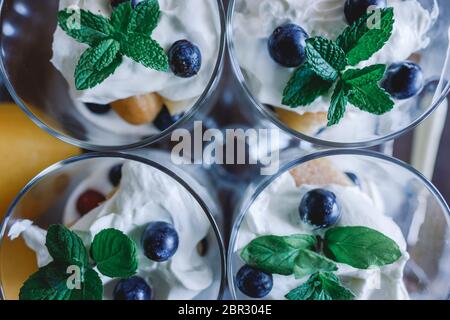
(25, 150)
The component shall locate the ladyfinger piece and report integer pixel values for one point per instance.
(139, 110)
(319, 172)
(307, 123)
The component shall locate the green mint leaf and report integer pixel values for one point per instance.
(360, 247)
(115, 254)
(144, 50)
(66, 246)
(325, 58)
(121, 15)
(48, 283)
(338, 104)
(145, 17)
(368, 75)
(84, 26)
(276, 254)
(360, 42)
(309, 262)
(321, 286)
(304, 87)
(91, 287)
(51, 283)
(371, 98)
(97, 63)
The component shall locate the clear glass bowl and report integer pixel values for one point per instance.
(434, 61)
(414, 204)
(53, 191)
(41, 91)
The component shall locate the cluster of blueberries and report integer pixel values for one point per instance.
(185, 61)
(287, 44)
(319, 208)
(159, 242)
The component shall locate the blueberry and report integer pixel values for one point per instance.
(164, 119)
(159, 241)
(89, 200)
(254, 283)
(355, 9)
(403, 80)
(185, 59)
(287, 45)
(134, 3)
(115, 174)
(98, 108)
(134, 288)
(354, 178)
(320, 208)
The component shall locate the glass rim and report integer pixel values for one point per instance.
(301, 136)
(209, 89)
(245, 204)
(99, 155)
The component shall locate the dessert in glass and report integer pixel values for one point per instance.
(341, 225)
(341, 72)
(112, 74)
(128, 227)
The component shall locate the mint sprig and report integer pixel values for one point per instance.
(298, 255)
(51, 282)
(338, 104)
(114, 253)
(308, 262)
(126, 33)
(85, 26)
(325, 58)
(327, 64)
(275, 254)
(66, 246)
(360, 247)
(97, 63)
(360, 40)
(304, 87)
(321, 286)
(144, 50)
(145, 18)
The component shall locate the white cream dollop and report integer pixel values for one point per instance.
(275, 212)
(255, 20)
(145, 195)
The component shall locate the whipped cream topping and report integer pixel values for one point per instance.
(275, 212)
(254, 22)
(145, 195)
(195, 20)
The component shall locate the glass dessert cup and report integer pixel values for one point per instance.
(357, 128)
(48, 98)
(413, 210)
(53, 197)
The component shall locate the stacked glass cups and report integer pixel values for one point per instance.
(132, 192)
(141, 196)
